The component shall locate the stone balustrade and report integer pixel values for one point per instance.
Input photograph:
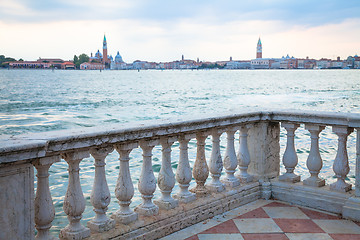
(220, 182)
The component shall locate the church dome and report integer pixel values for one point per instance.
(118, 58)
(98, 54)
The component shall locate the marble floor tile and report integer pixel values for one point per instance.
(298, 226)
(220, 237)
(264, 236)
(257, 213)
(257, 225)
(278, 204)
(225, 227)
(285, 212)
(318, 215)
(338, 226)
(308, 236)
(345, 236)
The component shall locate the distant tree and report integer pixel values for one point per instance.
(76, 59)
(81, 59)
(4, 60)
(21, 60)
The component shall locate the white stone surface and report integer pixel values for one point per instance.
(243, 156)
(147, 181)
(285, 212)
(215, 163)
(338, 226)
(44, 208)
(314, 161)
(100, 194)
(264, 163)
(183, 171)
(16, 199)
(166, 178)
(290, 159)
(230, 160)
(257, 225)
(200, 169)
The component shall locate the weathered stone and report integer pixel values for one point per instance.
(264, 150)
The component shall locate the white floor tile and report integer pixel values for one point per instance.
(338, 226)
(308, 236)
(285, 212)
(257, 225)
(233, 236)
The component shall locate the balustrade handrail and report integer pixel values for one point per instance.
(37, 145)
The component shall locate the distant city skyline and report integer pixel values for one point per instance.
(161, 31)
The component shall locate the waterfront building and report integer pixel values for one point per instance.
(323, 63)
(43, 63)
(260, 63)
(118, 63)
(238, 64)
(92, 66)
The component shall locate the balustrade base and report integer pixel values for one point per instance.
(101, 226)
(147, 211)
(314, 182)
(231, 182)
(245, 179)
(185, 198)
(215, 187)
(167, 205)
(351, 209)
(340, 186)
(65, 234)
(125, 218)
(290, 177)
(200, 191)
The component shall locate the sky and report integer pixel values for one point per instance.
(160, 30)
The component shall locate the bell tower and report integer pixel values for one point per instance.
(259, 49)
(105, 56)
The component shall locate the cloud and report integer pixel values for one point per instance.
(306, 12)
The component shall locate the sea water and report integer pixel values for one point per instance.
(44, 100)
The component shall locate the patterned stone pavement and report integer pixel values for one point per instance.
(271, 220)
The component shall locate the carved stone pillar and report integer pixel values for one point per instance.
(100, 195)
(243, 156)
(341, 162)
(314, 161)
(230, 161)
(147, 181)
(216, 164)
(124, 189)
(74, 202)
(44, 208)
(200, 169)
(166, 178)
(357, 170)
(290, 158)
(183, 171)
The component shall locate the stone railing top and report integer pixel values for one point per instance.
(32, 146)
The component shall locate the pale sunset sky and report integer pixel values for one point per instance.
(162, 30)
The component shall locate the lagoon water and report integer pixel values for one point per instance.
(43, 100)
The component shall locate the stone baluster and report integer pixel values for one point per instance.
(200, 169)
(243, 156)
(183, 171)
(215, 165)
(100, 194)
(147, 181)
(341, 162)
(230, 161)
(124, 189)
(166, 178)
(74, 202)
(290, 159)
(357, 171)
(44, 208)
(314, 161)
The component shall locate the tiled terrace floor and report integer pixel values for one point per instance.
(271, 220)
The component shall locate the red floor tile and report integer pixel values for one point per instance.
(317, 215)
(345, 236)
(298, 225)
(195, 237)
(277, 204)
(225, 227)
(264, 236)
(257, 213)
